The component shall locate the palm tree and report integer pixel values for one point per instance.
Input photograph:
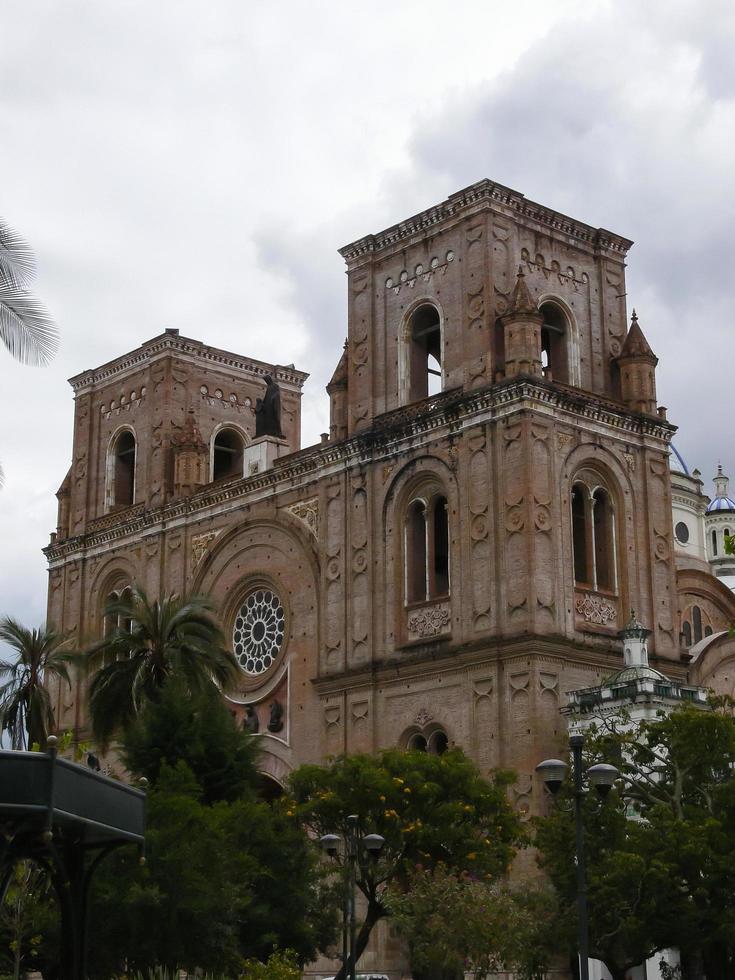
(25, 703)
(26, 329)
(170, 637)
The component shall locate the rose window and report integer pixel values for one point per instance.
(259, 630)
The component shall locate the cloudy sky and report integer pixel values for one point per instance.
(197, 164)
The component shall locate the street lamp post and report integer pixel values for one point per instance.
(373, 844)
(601, 776)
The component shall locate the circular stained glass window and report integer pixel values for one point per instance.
(682, 532)
(259, 630)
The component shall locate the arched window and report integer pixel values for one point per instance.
(416, 550)
(554, 343)
(603, 538)
(121, 472)
(426, 545)
(227, 455)
(593, 536)
(687, 631)
(714, 543)
(697, 619)
(424, 353)
(113, 621)
(579, 534)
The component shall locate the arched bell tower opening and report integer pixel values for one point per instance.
(555, 343)
(227, 455)
(422, 372)
(121, 460)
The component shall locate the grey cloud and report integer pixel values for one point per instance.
(608, 120)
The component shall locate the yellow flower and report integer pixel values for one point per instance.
(382, 798)
(471, 856)
(398, 781)
(407, 789)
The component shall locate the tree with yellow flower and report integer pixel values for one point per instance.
(430, 809)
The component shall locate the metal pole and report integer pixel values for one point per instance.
(576, 742)
(345, 911)
(352, 851)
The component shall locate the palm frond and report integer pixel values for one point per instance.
(17, 262)
(26, 327)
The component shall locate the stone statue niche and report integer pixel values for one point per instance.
(268, 411)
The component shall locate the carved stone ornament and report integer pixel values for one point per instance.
(423, 717)
(428, 622)
(307, 511)
(200, 545)
(595, 609)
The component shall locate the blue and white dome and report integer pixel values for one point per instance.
(721, 503)
(676, 461)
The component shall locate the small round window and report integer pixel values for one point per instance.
(682, 532)
(259, 630)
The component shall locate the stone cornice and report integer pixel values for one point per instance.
(185, 347)
(504, 651)
(486, 193)
(445, 414)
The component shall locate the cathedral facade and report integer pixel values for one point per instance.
(463, 546)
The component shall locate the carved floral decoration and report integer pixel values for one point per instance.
(595, 609)
(307, 511)
(428, 622)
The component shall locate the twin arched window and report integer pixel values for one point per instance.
(426, 549)
(593, 536)
(436, 743)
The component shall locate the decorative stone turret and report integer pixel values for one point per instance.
(634, 636)
(636, 693)
(719, 525)
(522, 330)
(637, 364)
(191, 458)
(337, 391)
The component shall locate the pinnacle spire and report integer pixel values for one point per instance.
(521, 300)
(636, 344)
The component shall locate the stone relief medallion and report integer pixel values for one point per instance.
(595, 609)
(259, 631)
(428, 622)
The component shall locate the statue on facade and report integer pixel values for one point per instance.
(268, 411)
(251, 723)
(276, 720)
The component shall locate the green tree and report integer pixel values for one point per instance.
(161, 638)
(430, 809)
(661, 851)
(221, 884)
(457, 924)
(200, 731)
(627, 881)
(227, 877)
(28, 922)
(25, 704)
